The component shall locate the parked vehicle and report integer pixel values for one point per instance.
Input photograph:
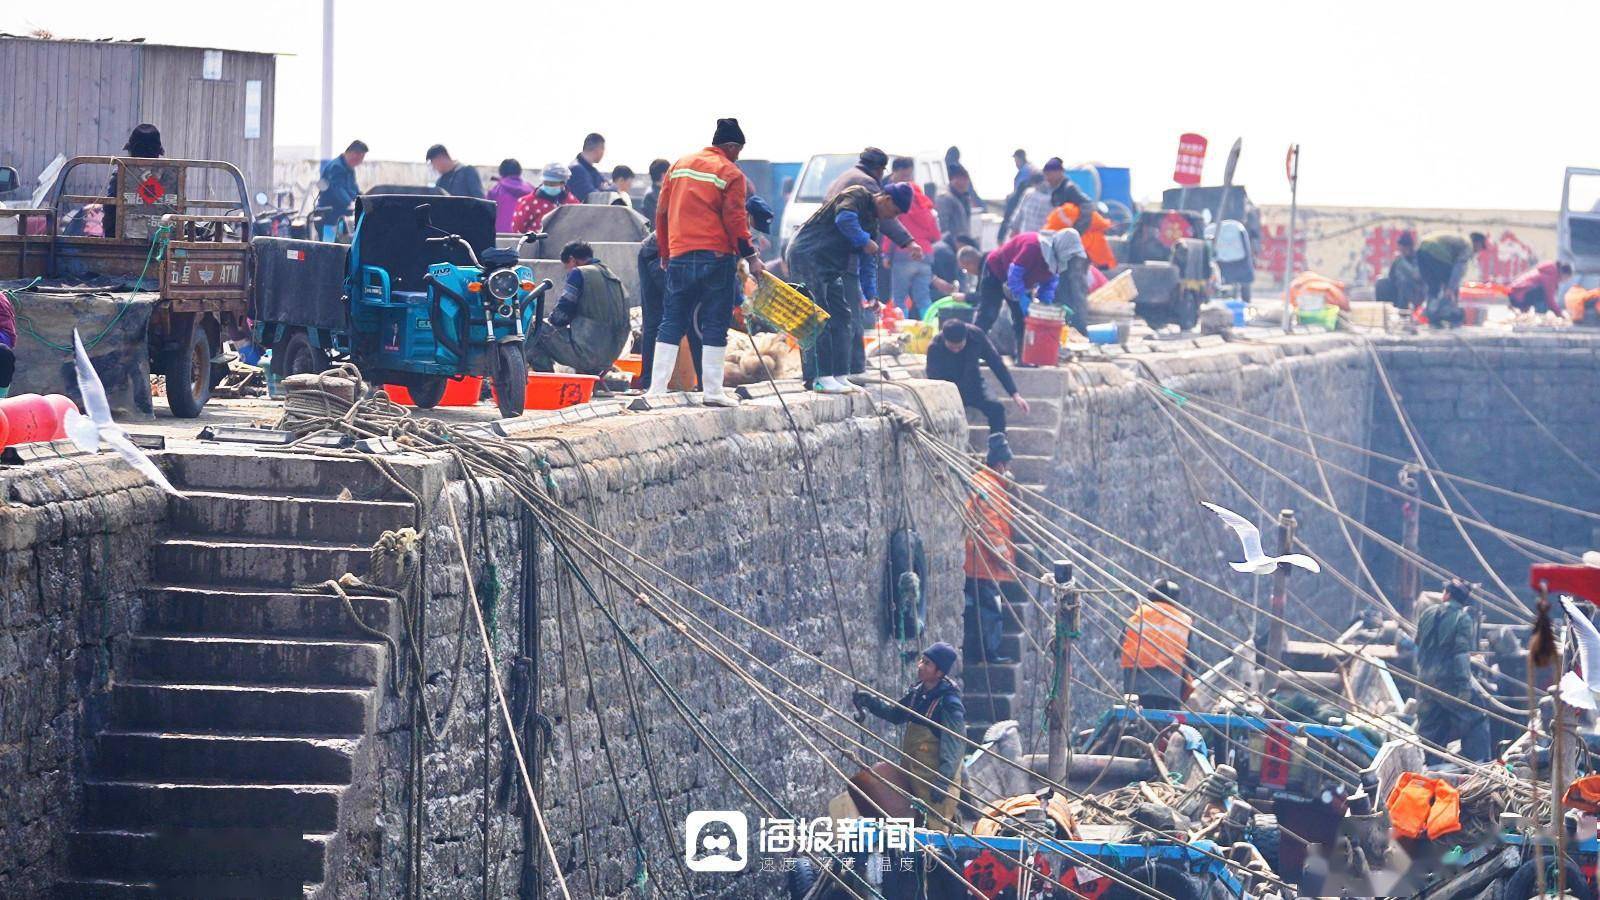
(1170, 260)
(180, 227)
(1578, 228)
(820, 171)
(421, 295)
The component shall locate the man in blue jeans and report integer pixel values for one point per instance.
(703, 229)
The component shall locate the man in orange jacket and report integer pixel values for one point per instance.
(1094, 231)
(1156, 661)
(703, 231)
(991, 555)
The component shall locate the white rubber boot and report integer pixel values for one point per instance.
(832, 384)
(666, 360)
(711, 375)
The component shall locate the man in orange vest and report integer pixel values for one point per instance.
(1156, 661)
(991, 555)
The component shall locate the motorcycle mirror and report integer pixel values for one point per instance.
(261, 198)
(424, 215)
(533, 236)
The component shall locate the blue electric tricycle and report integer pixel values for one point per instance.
(421, 295)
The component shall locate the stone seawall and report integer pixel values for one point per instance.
(74, 541)
(718, 500)
(1462, 414)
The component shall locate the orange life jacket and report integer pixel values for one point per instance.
(1094, 237)
(1421, 806)
(990, 554)
(1157, 638)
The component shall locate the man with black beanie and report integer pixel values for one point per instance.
(934, 741)
(703, 230)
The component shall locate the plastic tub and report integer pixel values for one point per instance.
(554, 390)
(632, 363)
(466, 391)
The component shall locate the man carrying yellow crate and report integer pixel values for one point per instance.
(840, 238)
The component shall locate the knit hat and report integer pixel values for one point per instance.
(900, 193)
(1054, 164)
(999, 449)
(728, 132)
(760, 213)
(956, 171)
(873, 158)
(942, 655)
(145, 142)
(556, 172)
(1163, 590)
(1061, 246)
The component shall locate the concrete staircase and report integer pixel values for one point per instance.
(241, 714)
(991, 691)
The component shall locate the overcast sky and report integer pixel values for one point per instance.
(1395, 103)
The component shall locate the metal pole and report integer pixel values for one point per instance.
(1410, 531)
(1279, 602)
(1293, 167)
(327, 81)
(1059, 711)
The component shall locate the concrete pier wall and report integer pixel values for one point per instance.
(74, 541)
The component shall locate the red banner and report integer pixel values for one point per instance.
(1191, 159)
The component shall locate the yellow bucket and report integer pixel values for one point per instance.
(786, 309)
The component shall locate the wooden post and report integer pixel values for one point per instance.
(1058, 712)
(1279, 603)
(1410, 529)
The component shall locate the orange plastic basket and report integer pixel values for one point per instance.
(465, 391)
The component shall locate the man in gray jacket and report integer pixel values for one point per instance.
(868, 173)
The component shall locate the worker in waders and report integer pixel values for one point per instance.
(936, 724)
(1156, 661)
(589, 326)
(991, 554)
(1447, 633)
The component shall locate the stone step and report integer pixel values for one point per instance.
(988, 708)
(268, 515)
(225, 661)
(277, 861)
(104, 889)
(192, 560)
(148, 805)
(1032, 469)
(1031, 441)
(1045, 382)
(990, 679)
(223, 758)
(1041, 413)
(215, 709)
(187, 610)
(300, 474)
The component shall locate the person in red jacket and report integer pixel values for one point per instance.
(912, 277)
(703, 231)
(1022, 266)
(532, 208)
(1538, 289)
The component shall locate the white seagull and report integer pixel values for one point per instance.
(1255, 561)
(90, 431)
(1580, 690)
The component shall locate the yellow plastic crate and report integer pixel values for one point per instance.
(786, 309)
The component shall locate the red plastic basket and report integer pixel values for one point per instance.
(554, 390)
(466, 391)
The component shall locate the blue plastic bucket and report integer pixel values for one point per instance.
(1237, 307)
(1104, 333)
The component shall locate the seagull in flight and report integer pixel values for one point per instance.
(88, 432)
(1255, 561)
(1581, 690)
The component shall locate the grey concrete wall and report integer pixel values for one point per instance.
(1472, 427)
(716, 498)
(74, 536)
(1124, 466)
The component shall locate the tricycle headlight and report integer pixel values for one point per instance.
(503, 284)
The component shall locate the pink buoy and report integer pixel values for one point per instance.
(30, 418)
(60, 403)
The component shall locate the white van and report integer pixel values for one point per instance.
(821, 170)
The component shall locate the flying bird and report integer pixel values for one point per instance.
(1255, 561)
(88, 432)
(1580, 690)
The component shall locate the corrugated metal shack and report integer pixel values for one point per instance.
(81, 98)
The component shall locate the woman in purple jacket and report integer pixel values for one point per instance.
(508, 189)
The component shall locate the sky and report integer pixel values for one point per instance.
(1405, 103)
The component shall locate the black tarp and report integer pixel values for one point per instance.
(298, 282)
(390, 237)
